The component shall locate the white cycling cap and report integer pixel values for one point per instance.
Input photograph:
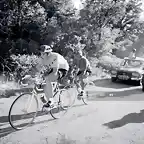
(47, 48)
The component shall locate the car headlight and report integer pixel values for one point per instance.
(135, 74)
(114, 72)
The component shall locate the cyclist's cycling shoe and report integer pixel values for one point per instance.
(49, 104)
(80, 95)
(43, 99)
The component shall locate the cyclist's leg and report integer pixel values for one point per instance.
(61, 75)
(82, 82)
(82, 79)
(85, 79)
(48, 87)
(77, 82)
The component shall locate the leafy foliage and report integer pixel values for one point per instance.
(120, 18)
(99, 27)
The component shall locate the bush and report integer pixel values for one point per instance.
(109, 61)
(25, 64)
(26, 60)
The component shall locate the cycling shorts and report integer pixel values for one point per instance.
(81, 72)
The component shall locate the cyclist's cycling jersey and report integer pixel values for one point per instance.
(84, 64)
(55, 60)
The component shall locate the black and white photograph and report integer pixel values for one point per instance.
(71, 71)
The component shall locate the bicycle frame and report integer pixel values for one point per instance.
(36, 90)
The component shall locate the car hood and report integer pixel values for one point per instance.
(130, 69)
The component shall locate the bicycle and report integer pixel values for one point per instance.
(58, 106)
(85, 96)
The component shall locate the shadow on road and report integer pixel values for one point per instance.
(8, 130)
(117, 85)
(130, 118)
(4, 119)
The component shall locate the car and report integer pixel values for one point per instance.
(130, 69)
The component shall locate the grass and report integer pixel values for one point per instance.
(8, 85)
(10, 89)
(7, 88)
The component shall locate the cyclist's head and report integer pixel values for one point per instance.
(80, 53)
(70, 53)
(134, 50)
(46, 49)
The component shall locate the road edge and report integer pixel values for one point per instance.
(12, 92)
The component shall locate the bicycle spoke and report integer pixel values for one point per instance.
(28, 104)
(62, 103)
(23, 111)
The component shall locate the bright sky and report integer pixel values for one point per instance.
(142, 15)
(78, 5)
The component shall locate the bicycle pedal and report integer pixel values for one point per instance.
(47, 105)
(45, 110)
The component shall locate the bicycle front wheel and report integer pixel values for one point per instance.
(23, 111)
(62, 102)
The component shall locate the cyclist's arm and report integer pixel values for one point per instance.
(40, 63)
(55, 65)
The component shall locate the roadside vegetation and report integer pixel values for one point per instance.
(99, 29)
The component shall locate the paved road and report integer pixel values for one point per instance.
(115, 115)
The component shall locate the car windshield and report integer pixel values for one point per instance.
(132, 63)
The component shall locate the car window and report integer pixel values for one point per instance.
(123, 62)
(133, 63)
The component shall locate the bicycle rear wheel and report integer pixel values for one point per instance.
(62, 102)
(22, 119)
(85, 98)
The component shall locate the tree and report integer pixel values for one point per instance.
(100, 26)
(119, 16)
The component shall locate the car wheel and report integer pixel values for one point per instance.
(138, 83)
(143, 87)
(142, 83)
(113, 79)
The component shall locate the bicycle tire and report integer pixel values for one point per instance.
(10, 112)
(86, 96)
(85, 100)
(59, 106)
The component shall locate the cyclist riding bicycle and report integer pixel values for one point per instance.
(84, 70)
(57, 66)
